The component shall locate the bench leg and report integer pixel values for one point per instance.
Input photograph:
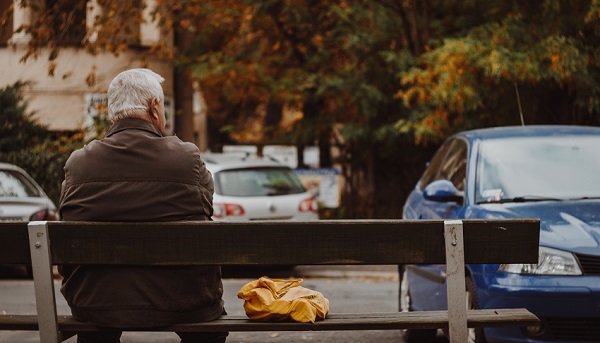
(455, 281)
(43, 281)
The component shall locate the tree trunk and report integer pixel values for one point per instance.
(316, 129)
(300, 150)
(369, 198)
(325, 147)
(415, 35)
(359, 187)
(274, 113)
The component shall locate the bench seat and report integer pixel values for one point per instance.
(334, 321)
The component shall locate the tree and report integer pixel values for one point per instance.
(455, 64)
(28, 144)
(371, 76)
(272, 54)
(18, 129)
(544, 51)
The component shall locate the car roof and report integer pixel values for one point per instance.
(10, 166)
(217, 161)
(528, 131)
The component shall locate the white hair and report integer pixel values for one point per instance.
(130, 93)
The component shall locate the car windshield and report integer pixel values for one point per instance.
(538, 168)
(14, 185)
(257, 182)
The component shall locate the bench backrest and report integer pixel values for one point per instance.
(289, 243)
(14, 243)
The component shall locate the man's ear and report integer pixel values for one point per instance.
(153, 108)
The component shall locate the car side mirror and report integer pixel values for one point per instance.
(443, 191)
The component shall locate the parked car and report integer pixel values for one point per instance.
(21, 198)
(546, 172)
(257, 189)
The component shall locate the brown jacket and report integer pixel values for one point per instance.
(136, 174)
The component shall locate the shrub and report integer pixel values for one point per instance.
(18, 129)
(29, 145)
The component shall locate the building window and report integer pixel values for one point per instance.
(67, 20)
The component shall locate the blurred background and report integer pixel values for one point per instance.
(359, 92)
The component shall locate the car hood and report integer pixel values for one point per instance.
(566, 225)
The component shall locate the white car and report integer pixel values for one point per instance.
(258, 189)
(21, 198)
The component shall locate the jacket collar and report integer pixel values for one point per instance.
(132, 123)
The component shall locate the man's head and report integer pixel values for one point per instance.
(137, 93)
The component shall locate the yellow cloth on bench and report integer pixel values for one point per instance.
(277, 299)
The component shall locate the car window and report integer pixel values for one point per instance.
(454, 167)
(449, 163)
(553, 167)
(15, 185)
(432, 171)
(257, 182)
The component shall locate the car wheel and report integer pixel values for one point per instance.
(405, 305)
(476, 335)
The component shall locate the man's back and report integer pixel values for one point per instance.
(136, 174)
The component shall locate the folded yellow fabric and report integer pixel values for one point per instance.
(277, 299)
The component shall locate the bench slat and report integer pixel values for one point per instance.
(18, 322)
(14, 243)
(334, 321)
(289, 243)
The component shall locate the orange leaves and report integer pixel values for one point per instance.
(51, 68)
(445, 81)
(185, 23)
(593, 13)
(317, 40)
(90, 79)
(563, 58)
(555, 60)
(444, 88)
(417, 95)
(437, 121)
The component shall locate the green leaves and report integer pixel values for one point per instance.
(468, 80)
(18, 128)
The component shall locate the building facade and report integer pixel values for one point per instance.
(68, 100)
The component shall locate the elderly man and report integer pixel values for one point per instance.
(137, 174)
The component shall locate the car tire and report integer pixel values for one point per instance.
(476, 335)
(405, 305)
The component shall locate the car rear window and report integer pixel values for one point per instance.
(257, 182)
(15, 185)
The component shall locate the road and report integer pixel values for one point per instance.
(349, 289)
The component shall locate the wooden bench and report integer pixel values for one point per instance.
(361, 242)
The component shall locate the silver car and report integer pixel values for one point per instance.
(258, 189)
(21, 198)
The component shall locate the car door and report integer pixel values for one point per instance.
(427, 282)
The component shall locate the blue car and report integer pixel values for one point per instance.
(546, 172)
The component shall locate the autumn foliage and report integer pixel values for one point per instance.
(368, 76)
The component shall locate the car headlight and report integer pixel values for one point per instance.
(550, 262)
